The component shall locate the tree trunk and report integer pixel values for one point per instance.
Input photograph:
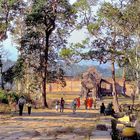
(115, 98)
(45, 64)
(44, 93)
(137, 71)
(124, 80)
(48, 32)
(137, 84)
(138, 88)
(2, 84)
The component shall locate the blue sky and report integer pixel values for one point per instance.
(10, 48)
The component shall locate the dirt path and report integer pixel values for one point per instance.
(49, 125)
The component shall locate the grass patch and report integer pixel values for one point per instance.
(60, 95)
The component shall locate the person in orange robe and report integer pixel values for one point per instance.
(78, 102)
(90, 102)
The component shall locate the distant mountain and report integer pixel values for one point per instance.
(77, 70)
(106, 72)
(74, 69)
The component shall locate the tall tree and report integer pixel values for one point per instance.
(131, 25)
(47, 28)
(106, 40)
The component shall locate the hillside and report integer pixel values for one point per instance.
(74, 69)
(77, 70)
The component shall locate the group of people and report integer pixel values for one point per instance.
(109, 110)
(75, 104)
(60, 104)
(89, 103)
(21, 102)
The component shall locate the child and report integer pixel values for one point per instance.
(74, 104)
(29, 105)
(56, 106)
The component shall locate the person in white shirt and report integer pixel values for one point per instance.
(21, 103)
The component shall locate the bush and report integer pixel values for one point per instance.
(3, 97)
(5, 100)
(13, 96)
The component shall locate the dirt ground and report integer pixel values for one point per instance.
(48, 124)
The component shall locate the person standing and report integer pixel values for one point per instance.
(56, 106)
(74, 104)
(78, 102)
(21, 103)
(62, 102)
(85, 103)
(29, 105)
(102, 109)
(90, 102)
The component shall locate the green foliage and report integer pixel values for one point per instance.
(3, 97)
(83, 4)
(8, 76)
(92, 27)
(13, 96)
(66, 52)
(78, 45)
(2, 27)
(9, 10)
(118, 73)
(131, 18)
(85, 42)
(79, 27)
(18, 69)
(109, 11)
(15, 72)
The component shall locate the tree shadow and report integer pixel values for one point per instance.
(51, 116)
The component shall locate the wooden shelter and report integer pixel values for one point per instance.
(104, 88)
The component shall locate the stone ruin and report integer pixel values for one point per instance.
(90, 82)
